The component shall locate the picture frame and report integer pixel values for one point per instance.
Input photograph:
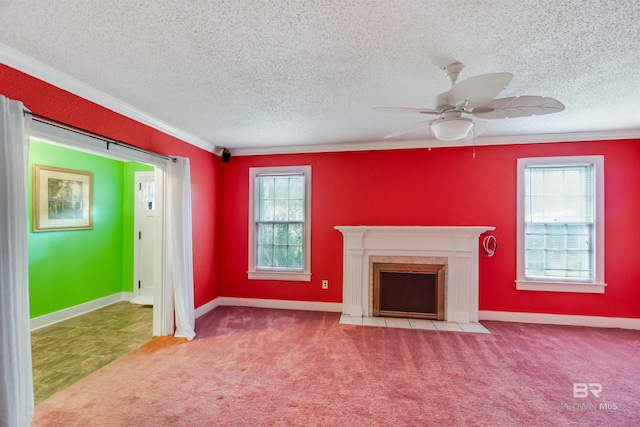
(62, 199)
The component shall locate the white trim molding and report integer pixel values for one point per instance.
(501, 316)
(561, 319)
(597, 284)
(435, 143)
(46, 73)
(207, 307)
(333, 307)
(549, 286)
(253, 271)
(77, 310)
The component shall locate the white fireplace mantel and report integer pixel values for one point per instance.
(458, 244)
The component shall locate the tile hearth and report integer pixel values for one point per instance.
(423, 324)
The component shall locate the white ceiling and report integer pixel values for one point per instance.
(253, 75)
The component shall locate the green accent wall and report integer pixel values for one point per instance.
(67, 268)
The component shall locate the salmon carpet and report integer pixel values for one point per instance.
(264, 367)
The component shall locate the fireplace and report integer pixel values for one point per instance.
(455, 247)
(408, 290)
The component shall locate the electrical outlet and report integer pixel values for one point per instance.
(325, 284)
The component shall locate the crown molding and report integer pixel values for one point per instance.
(48, 74)
(435, 143)
(329, 148)
(28, 65)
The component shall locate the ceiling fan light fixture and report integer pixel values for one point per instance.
(451, 129)
(475, 96)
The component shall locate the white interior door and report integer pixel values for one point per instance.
(146, 214)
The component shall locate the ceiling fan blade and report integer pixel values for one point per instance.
(479, 90)
(520, 106)
(406, 110)
(410, 129)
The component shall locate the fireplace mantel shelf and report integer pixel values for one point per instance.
(457, 244)
(413, 228)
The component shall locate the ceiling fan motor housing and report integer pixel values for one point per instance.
(451, 129)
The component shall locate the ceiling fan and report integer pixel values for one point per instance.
(475, 97)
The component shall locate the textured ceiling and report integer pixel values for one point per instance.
(258, 74)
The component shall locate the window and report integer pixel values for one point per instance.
(280, 223)
(561, 224)
(149, 188)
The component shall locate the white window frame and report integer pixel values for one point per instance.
(581, 286)
(256, 273)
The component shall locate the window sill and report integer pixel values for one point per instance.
(280, 275)
(550, 286)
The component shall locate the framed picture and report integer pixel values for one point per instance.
(62, 199)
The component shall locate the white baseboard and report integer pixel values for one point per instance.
(205, 308)
(334, 307)
(283, 304)
(561, 319)
(77, 310)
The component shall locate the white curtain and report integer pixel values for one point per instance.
(16, 377)
(180, 238)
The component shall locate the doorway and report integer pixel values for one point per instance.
(146, 221)
(163, 319)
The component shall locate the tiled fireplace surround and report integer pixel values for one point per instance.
(455, 246)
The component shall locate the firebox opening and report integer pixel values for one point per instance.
(409, 290)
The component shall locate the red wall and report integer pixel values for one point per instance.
(438, 187)
(403, 187)
(50, 101)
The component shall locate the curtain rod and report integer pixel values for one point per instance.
(108, 140)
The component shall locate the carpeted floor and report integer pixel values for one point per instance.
(263, 367)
